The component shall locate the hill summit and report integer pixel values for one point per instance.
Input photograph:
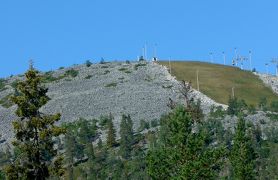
(140, 89)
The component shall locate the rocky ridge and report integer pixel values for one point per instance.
(139, 89)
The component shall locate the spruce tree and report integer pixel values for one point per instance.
(70, 143)
(111, 140)
(243, 155)
(182, 152)
(126, 134)
(34, 133)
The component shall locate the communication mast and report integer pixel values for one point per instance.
(224, 57)
(211, 57)
(236, 57)
(275, 61)
(266, 67)
(250, 60)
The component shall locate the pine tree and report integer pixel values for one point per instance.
(70, 144)
(111, 140)
(126, 134)
(243, 155)
(182, 152)
(34, 133)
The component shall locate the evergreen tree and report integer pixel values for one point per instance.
(111, 140)
(263, 104)
(70, 144)
(126, 133)
(34, 133)
(183, 152)
(243, 155)
(232, 106)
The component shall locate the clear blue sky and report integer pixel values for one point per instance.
(64, 32)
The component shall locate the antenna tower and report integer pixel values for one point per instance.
(275, 61)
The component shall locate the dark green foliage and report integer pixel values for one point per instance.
(48, 77)
(88, 63)
(6, 101)
(274, 106)
(88, 77)
(236, 106)
(106, 72)
(141, 58)
(195, 111)
(34, 133)
(126, 134)
(71, 72)
(61, 67)
(183, 154)
(272, 116)
(217, 112)
(272, 134)
(104, 120)
(154, 123)
(123, 69)
(111, 136)
(136, 66)
(111, 84)
(143, 125)
(5, 157)
(243, 155)
(2, 84)
(215, 131)
(14, 84)
(262, 104)
(251, 109)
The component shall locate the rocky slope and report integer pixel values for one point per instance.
(269, 80)
(139, 89)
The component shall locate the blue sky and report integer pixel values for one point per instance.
(65, 32)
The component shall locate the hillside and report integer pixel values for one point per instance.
(139, 89)
(216, 81)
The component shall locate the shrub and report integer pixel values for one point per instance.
(128, 72)
(106, 72)
(127, 62)
(274, 106)
(111, 84)
(141, 58)
(102, 61)
(273, 117)
(2, 84)
(88, 77)
(47, 77)
(104, 120)
(143, 125)
(88, 63)
(61, 67)
(71, 72)
(154, 123)
(14, 84)
(123, 69)
(136, 66)
(6, 102)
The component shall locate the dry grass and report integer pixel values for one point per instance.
(216, 81)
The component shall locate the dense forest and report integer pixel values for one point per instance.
(180, 145)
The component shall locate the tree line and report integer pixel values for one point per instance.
(182, 145)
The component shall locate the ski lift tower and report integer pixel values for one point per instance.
(275, 61)
(242, 59)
